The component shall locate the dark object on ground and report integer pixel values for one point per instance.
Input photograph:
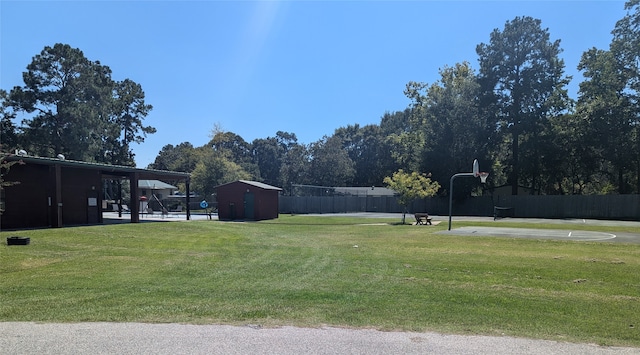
(422, 218)
(502, 212)
(18, 240)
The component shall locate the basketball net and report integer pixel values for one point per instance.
(483, 177)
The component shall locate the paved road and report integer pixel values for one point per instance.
(135, 338)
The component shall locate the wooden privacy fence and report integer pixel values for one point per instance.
(623, 207)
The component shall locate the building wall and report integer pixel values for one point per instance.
(31, 203)
(26, 204)
(266, 204)
(78, 186)
(230, 199)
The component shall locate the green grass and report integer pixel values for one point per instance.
(310, 271)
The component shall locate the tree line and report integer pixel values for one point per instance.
(513, 113)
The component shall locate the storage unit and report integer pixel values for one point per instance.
(247, 200)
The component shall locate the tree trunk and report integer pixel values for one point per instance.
(620, 181)
(514, 173)
(638, 177)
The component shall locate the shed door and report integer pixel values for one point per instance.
(249, 212)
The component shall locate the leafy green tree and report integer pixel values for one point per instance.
(268, 155)
(63, 90)
(235, 149)
(5, 166)
(75, 108)
(395, 122)
(215, 170)
(330, 163)
(455, 132)
(568, 159)
(523, 85)
(626, 49)
(409, 142)
(365, 146)
(8, 131)
(279, 159)
(295, 166)
(182, 157)
(410, 187)
(392, 126)
(609, 103)
(626, 46)
(607, 111)
(231, 145)
(129, 110)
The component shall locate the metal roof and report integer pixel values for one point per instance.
(106, 169)
(155, 185)
(253, 183)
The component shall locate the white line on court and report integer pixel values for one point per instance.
(536, 233)
(610, 236)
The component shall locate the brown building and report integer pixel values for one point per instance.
(247, 200)
(57, 192)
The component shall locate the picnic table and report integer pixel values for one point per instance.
(422, 218)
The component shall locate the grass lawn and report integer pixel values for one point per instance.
(314, 271)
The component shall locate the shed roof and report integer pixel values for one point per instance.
(253, 183)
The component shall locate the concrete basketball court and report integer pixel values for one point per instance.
(576, 235)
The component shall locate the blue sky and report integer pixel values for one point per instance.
(258, 67)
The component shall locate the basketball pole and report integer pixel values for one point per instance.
(475, 173)
(451, 192)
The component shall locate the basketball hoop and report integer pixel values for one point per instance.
(483, 177)
(475, 172)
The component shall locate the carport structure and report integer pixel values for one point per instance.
(56, 192)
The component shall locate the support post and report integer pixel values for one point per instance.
(134, 203)
(188, 198)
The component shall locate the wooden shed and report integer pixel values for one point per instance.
(247, 200)
(57, 192)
